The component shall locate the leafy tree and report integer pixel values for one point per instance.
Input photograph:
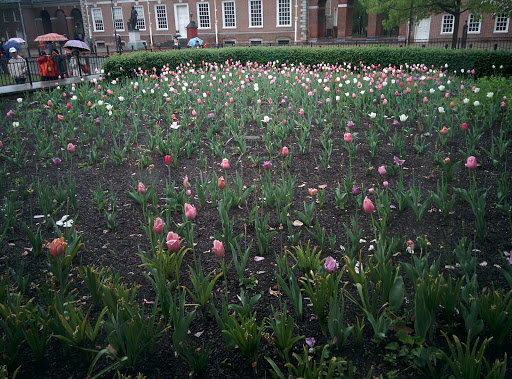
(400, 11)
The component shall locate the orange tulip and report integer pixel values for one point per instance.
(57, 247)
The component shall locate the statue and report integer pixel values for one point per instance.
(132, 22)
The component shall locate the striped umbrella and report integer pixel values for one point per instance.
(50, 37)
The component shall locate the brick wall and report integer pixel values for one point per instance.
(486, 28)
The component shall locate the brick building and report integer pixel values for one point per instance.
(441, 27)
(223, 22)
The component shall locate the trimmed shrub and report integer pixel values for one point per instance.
(481, 61)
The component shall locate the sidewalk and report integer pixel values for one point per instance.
(27, 87)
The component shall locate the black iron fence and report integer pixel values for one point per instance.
(93, 63)
(32, 71)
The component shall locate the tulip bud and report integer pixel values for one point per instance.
(368, 205)
(218, 249)
(141, 188)
(158, 226)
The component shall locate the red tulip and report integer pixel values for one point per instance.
(218, 249)
(221, 183)
(464, 126)
(168, 159)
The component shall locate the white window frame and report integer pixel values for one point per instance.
(96, 22)
(475, 23)
(6, 16)
(118, 22)
(278, 15)
(164, 7)
(249, 7)
(15, 13)
(444, 22)
(224, 15)
(500, 18)
(141, 17)
(200, 24)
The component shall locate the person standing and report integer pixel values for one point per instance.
(60, 63)
(17, 66)
(48, 70)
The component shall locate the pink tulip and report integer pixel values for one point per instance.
(331, 265)
(60, 117)
(190, 212)
(142, 188)
(368, 205)
(464, 126)
(158, 226)
(71, 148)
(185, 181)
(68, 106)
(385, 183)
(382, 170)
(285, 151)
(218, 249)
(221, 183)
(50, 103)
(89, 104)
(10, 113)
(194, 113)
(172, 241)
(347, 137)
(188, 192)
(225, 164)
(471, 163)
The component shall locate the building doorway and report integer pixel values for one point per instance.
(181, 18)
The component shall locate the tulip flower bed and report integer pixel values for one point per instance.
(244, 220)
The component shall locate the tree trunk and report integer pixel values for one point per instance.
(456, 21)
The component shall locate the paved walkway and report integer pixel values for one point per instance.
(27, 87)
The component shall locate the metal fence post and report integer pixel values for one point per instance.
(28, 72)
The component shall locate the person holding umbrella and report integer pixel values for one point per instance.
(17, 66)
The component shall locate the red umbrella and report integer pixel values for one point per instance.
(51, 37)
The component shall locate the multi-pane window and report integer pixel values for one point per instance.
(6, 16)
(501, 23)
(141, 20)
(473, 24)
(97, 19)
(284, 12)
(447, 25)
(255, 13)
(117, 14)
(161, 16)
(16, 15)
(228, 14)
(203, 10)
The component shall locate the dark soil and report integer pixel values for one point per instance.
(119, 248)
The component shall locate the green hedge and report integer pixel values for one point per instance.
(481, 61)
